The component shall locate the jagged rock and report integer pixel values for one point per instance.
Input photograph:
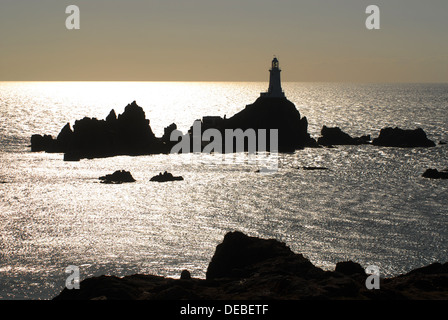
(166, 176)
(167, 132)
(335, 136)
(42, 143)
(119, 176)
(130, 133)
(435, 174)
(112, 117)
(403, 138)
(127, 134)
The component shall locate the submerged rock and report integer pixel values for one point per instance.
(335, 136)
(435, 174)
(119, 176)
(166, 176)
(403, 138)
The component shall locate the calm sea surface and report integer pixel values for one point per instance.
(372, 206)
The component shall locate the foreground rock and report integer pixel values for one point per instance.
(166, 176)
(435, 174)
(335, 136)
(251, 268)
(402, 138)
(117, 177)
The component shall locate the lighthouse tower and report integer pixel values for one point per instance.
(275, 88)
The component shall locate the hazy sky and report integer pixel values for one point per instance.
(225, 40)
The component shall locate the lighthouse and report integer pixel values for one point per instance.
(275, 87)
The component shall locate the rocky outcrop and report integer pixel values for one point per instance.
(335, 136)
(127, 134)
(43, 143)
(249, 268)
(274, 113)
(166, 176)
(402, 138)
(130, 133)
(435, 174)
(120, 176)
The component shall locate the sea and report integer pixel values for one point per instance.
(372, 206)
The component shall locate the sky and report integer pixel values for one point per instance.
(225, 40)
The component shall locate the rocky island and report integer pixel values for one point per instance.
(130, 133)
(120, 176)
(250, 268)
(165, 177)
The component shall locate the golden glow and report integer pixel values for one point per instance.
(223, 41)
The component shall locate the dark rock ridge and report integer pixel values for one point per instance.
(249, 268)
(335, 136)
(127, 134)
(131, 134)
(403, 138)
(166, 176)
(435, 174)
(120, 176)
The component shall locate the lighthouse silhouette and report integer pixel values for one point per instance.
(275, 87)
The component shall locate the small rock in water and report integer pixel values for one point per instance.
(166, 176)
(436, 174)
(118, 177)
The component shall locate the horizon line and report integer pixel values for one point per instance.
(243, 81)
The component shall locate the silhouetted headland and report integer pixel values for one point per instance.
(250, 268)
